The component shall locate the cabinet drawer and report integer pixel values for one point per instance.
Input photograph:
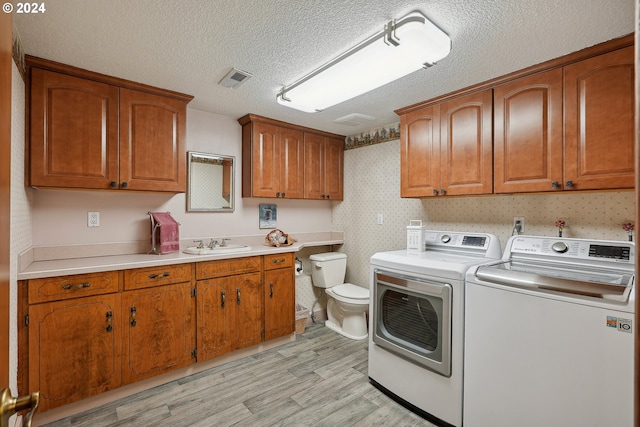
(65, 287)
(278, 261)
(154, 276)
(227, 267)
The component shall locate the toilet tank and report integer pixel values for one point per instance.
(328, 269)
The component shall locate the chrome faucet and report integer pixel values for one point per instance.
(212, 244)
(224, 242)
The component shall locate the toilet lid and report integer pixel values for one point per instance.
(349, 290)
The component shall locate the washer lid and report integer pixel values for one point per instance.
(349, 290)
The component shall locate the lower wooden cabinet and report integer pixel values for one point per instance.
(279, 296)
(74, 348)
(229, 314)
(86, 334)
(158, 327)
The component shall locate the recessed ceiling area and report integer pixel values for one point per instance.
(190, 45)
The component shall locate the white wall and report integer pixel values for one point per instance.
(372, 186)
(60, 216)
(20, 238)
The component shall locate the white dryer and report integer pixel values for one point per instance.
(416, 321)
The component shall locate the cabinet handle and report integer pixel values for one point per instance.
(443, 191)
(132, 318)
(555, 184)
(283, 195)
(124, 184)
(113, 184)
(278, 261)
(270, 290)
(435, 192)
(278, 194)
(223, 297)
(78, 286)
(109, 321)
(569, 184)
(159, 276)
(238, 296)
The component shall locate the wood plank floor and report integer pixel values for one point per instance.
(320, 379)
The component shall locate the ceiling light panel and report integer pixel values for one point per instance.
(404, 46)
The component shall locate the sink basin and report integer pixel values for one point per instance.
(194, 250)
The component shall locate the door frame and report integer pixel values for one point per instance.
(6, 43)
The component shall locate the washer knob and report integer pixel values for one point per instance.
(559, 247)
(445, 238)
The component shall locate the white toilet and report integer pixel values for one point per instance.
(347, 304)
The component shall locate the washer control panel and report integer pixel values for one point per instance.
(622, 252)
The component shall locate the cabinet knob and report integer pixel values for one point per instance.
(113, 184)
(278, 194)
(569, 184)
(435, 192)
(555, 184)
(443, 191)
(124, 184)
(283, 195)
(132, 317)
(109, 321)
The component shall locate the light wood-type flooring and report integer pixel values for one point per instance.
(320, 379)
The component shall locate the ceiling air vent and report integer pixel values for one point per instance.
(354, 119)
(234, 78)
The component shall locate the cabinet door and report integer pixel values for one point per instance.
(466, 151)
(420, 152)
(314, 168)
(333, 170)
(599, 122)
(158, 330)
(215, 314)
(279, 306)
(291, 164)
(152, 142)
(74, 349)
(246, 293)
(73, 132)
(265, 167)
(528, 134)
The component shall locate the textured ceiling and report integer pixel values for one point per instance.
(189, 45)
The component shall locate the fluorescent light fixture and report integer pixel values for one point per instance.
(404, 46)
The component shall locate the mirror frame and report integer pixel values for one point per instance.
(190, 156)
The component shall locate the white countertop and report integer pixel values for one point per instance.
(92, 264)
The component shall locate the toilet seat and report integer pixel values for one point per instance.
(349, 290)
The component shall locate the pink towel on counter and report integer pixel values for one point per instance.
(167, 233)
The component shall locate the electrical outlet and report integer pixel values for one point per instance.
(93, 219)
(380, 219)
(518, 224)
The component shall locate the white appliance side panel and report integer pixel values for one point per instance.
(532, 361)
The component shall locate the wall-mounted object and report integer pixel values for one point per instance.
(268, 216)
(211, 184)
(402, 47)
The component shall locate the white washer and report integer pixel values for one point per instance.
(549, 335)
(416, 321)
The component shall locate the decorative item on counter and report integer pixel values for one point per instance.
(279, 238)
(560, 224)
(629, 226)
(165, 234)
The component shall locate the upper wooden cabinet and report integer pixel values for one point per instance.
(566, 124)
(528, 134)
(599, 122)
(323, 163)
(275, 160)
(446, 148)
(91, 131)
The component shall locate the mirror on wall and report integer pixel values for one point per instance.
(210, 186)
